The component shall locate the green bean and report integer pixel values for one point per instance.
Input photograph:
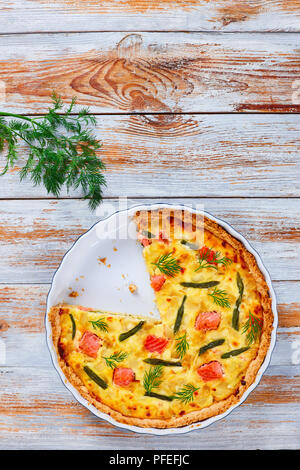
(147, 234)
(179, 316)
(200, 285)
(73, 326)
(131, 332)
(157, 395)
(161, 362)
(92, 375)
(236, 311)
(235, 352)
(211, 345)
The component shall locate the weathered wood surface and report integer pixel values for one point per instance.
(32, 393)
(149, 15)
(253, 155)
(147, 89)
(35, 234)
(146, 72)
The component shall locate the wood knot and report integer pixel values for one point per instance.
(129, 47)
(3, 326)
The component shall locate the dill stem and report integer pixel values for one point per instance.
(32, 121)
(17, 134)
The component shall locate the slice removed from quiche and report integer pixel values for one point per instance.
(198, 360)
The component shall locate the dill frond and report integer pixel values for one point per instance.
(168, 265)
(115, 359)
(252, 327)
(210, 259)
(220, 297)
(186, 394)
(99, 324)
(62, 149)
(152, 378)
(182, 346)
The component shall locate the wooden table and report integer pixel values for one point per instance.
(196, 102)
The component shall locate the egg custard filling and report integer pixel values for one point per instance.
(199, 359)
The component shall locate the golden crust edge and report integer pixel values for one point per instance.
(216, 408)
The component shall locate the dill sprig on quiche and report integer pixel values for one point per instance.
(182, 346)
(167, 265)
(62, 149)
(220, 297)
(115, 359)
(186, 394)
(99, 324)
(253, 328)
(208, 258)
(152, 380)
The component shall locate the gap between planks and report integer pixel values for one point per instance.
(151, 31)
(141, 31)
(159, 198)
(177, 113)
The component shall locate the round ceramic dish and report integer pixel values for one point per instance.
(106, 287)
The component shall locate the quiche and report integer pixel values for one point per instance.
(205, 351)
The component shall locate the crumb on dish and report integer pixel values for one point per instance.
(132, 288)
(74, 294)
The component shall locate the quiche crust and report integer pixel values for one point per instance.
(218, 407)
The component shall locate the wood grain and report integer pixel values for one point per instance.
(150, 15)
(146, 72)
(43, 414)
(189, 155)
(34, 235)
(43, 399)
(147, 89)
(32, 392)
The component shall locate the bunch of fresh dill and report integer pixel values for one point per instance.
(62, 149)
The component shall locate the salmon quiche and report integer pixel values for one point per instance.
(205, 351)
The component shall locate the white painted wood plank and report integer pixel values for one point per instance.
(41, 413)
(274, 427)
(149, 15)
(147, 72)
(189, 155)
(34, 235)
